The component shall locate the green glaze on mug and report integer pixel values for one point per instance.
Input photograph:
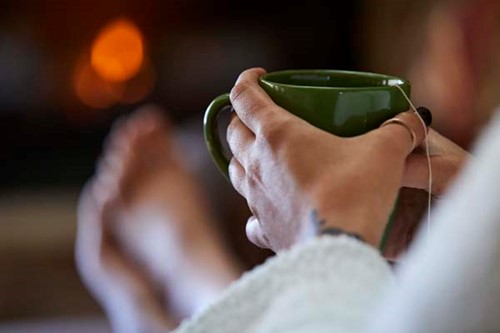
(340, 102)
(211, 133)
(343, 103)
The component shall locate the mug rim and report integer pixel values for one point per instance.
(400, 81)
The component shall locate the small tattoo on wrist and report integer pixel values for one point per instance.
(318, 223)
(321, 229)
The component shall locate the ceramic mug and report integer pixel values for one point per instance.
(344, 103)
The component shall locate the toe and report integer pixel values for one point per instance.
(114, 160)
(89, 233)
(104, 189)
(149, 112)
(118, 142)
(151, 117)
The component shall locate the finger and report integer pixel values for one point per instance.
(237, 176)
(255, 233)
(444, 170)
(440, 145)
(405, 132)
(250, 102)
(240, 138)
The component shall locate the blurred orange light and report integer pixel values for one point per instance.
(118, 51)
(92, 90)
(139, 86)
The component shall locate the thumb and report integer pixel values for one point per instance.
(406, 130)
(255, 233)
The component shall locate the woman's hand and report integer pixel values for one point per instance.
(447, 160)
(298, 179)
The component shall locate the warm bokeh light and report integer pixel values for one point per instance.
(118, 51)
(140, 86)
(97, 93)
(117, 70)
(92, 90)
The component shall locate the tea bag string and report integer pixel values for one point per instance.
(428, 155)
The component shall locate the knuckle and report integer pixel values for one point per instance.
(234, 168)
(274, 133)
(254, 173)
(236, 176)
(239, 88)
(245, 99)
(233, 172)
(231, 129)
(254, 179)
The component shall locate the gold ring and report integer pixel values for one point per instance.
(399, 121)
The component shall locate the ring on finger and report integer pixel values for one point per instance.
(399, 121)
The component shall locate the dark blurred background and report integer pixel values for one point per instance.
(60, 90)
(51, 136)
(56, 107)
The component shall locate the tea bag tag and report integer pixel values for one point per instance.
(427, 153)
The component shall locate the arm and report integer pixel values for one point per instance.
(281, 168)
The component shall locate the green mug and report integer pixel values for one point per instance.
(343, 103)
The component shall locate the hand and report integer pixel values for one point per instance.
(297, 178)
(447, 160)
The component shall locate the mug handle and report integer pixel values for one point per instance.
(211, 133)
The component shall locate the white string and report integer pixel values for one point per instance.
(428, 155)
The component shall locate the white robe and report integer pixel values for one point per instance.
(448, 282)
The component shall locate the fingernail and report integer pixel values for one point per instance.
(425, 114)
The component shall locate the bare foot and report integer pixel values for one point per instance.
(128, 296)
(160, 218)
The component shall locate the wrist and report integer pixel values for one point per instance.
(358, 230)
(354, 213)
(333, 231)
(355, 224)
